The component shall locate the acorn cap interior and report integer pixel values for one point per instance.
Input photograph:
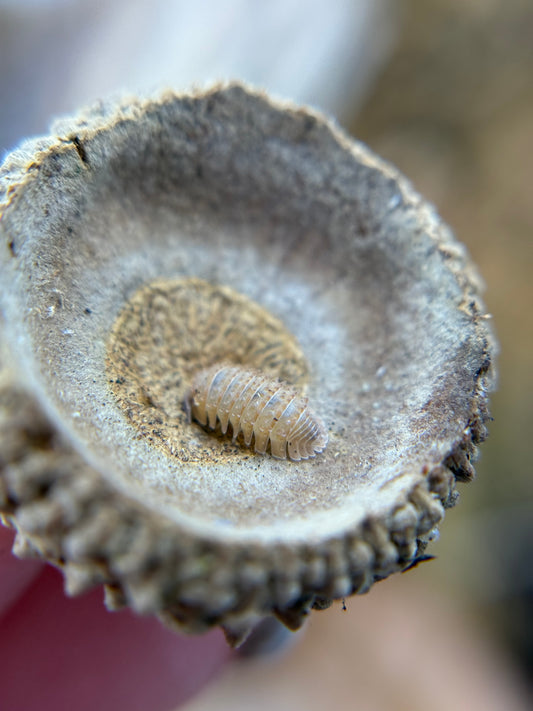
(376, 306)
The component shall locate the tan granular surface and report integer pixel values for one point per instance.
(171, 329)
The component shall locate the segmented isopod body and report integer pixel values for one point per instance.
(259, 407)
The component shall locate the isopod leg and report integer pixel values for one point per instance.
(278, 447)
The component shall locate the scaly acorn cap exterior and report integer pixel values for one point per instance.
(144, 241)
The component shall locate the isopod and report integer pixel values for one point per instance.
(260, 407)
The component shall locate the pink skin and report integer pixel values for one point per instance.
(70, 653)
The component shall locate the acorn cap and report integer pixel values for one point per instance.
(144, 241)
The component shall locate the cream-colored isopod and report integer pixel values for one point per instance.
(259, 407)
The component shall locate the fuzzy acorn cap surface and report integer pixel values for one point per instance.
(145, 241)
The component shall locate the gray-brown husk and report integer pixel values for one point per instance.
(143, 241)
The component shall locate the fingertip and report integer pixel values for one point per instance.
(16, 575)
(75, 654)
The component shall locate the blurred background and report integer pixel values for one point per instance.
(444, 90)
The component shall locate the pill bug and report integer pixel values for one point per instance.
(258, 406)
